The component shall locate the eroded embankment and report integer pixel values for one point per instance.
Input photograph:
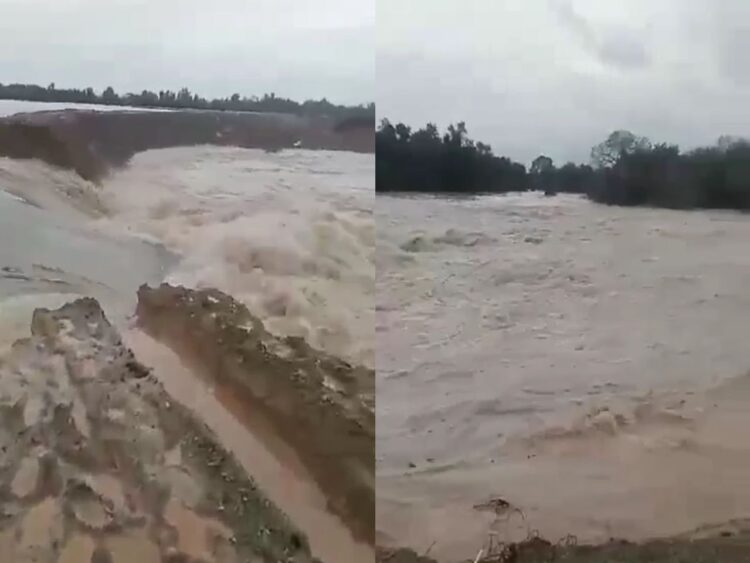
(321, 406)
(98, 464)
(727, 548)
(91, 143)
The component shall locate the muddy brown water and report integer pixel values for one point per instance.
(584, 363)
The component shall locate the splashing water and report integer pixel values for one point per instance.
(524, 341)
(290, 234)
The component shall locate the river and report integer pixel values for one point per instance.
(586, 364)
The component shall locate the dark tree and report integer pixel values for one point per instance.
(423, 160)
(543, 174)
(109, 96)
(659, 175)
(629, 169)
(186, 99)
(606, 153)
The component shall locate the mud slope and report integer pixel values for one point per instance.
(722, 547)
(91, 143)
(98, 465)
(320, 406)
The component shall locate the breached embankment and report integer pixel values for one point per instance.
(322, 407)
(92, 143)
(98, 464)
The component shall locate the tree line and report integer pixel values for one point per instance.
(423, 160)
(624, 169)
(185, 99)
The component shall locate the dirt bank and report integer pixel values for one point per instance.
(721, 546)
(320, 406)
(98, 464)
(91, 143)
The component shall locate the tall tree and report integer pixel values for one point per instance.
(606, 153)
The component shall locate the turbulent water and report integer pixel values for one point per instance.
(48, 255)
(584, 363)
(290, 234)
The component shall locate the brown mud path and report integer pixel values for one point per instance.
(321, 407)
(99, 464)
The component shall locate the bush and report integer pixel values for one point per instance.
(627, 169)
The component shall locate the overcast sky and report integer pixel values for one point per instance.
(556, 76)
(296, 48)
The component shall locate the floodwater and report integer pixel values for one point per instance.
(586, 364)
(290, 234)
(9, 107)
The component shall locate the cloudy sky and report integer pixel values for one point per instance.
(296, 48)
(556, 76)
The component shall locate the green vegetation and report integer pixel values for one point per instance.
(660, 175)
(185, 99)
(625, 169)
(425, 161)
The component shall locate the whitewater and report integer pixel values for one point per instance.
(586, 364)
(289, 234)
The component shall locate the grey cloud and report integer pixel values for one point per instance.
(616, 46)
(294, 48)
(731, 26)
(529, 81)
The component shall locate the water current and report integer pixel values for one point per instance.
(585, 363)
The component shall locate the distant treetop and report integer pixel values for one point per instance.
(185, 99)
(626, 169)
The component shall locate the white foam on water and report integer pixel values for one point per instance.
(289, 234)
(524, 341)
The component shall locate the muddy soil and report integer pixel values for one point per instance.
(319, 405)
(92, 143)
(721, 546)
(97, 464)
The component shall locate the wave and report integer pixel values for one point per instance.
(63, 192)
(451, 237)
(289, 234)
(650, 421)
